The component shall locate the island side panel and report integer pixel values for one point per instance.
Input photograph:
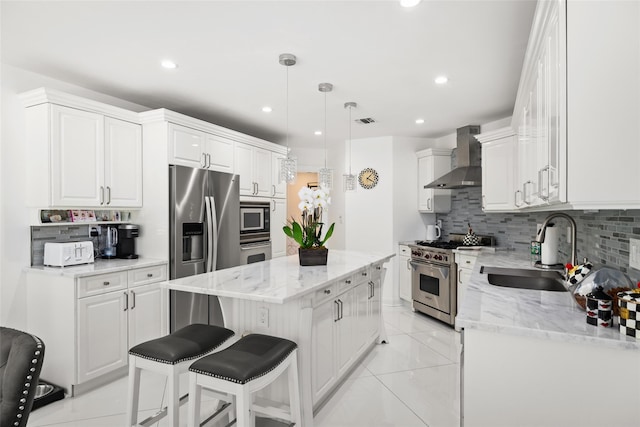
(518, 380)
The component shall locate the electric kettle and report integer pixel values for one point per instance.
(433, 233)
(109, 250)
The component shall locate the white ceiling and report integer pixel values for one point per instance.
(376, 53)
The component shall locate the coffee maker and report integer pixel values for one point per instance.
(126, 246)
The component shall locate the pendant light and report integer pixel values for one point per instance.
(349, 179)
(325, 175)
(289, 164)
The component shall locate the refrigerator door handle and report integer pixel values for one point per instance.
(207, 204)
(214, 227)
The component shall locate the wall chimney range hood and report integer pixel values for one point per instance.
(468, 173)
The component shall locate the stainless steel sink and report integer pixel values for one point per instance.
(540, 280)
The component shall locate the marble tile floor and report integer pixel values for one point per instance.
(412, 381)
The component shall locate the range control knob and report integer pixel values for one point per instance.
(427, 256)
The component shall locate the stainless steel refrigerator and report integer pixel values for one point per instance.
(204, 217)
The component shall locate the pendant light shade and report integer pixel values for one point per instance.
(325, 175)
(349, 179)
(289, 164)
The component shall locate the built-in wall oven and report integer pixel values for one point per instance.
(433, 282)
(255, 231)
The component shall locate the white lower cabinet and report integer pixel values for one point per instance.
(102, 335)
(346, 319)
(465, 265)
(89, 323)
(404, 272)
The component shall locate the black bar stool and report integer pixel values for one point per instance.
(171, 355)
(250, 364)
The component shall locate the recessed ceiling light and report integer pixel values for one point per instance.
(441, 80)
(169, 64)
(267, 109)
(409, 3)
(419, 121)
(318, 132)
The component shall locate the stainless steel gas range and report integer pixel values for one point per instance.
(434, 277)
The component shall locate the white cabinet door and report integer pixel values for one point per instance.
(220, 153)
(279, 188)
(147, 314)
(323, 373)
(432, 164)
(278, 220)
(77, 165)
(345, 331)
(499, 174)
(122, 163)
(262, 172)
(362, 293)
(244, 168)
(186, 146)
(404, 273)
(375, 302)
(102, 334)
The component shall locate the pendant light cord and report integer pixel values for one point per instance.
(287, 110)
(325, 130)
(350, 107)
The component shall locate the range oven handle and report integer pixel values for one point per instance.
(440, 272)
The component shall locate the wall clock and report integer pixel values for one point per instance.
(368, 178)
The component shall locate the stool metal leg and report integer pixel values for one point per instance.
(134, 392)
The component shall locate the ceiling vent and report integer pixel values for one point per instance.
(365, 121)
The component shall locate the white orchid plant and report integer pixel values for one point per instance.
(308, 232)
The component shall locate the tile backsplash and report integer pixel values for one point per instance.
(603, 236)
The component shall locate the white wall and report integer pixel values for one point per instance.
(14, 216)
(377, 219)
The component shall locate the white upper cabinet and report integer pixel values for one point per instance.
(279, 187)
(499, 171)
(197, 149)
(81, 158)
(577, 126)
(539, 116)
(432, 164)
(122, 163)
(253, 164)
(278, 220)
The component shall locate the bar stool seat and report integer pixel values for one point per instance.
(171, 355)
(248, 365)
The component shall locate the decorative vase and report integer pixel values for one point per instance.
(313, 256)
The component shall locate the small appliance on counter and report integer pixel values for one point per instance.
(433, 233)
(126, 243)
(68, 253)
(110, 250)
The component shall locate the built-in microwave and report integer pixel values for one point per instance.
(255, 221)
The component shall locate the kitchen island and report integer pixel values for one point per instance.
(332, 312)
(530, 359)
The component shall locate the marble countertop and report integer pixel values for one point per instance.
(100, 266)
(277, 280)
(526, 312)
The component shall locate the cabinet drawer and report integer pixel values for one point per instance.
(324, 294)
(143, 276)
(404, 250)
(102, 283)
(465, 261)
(345, 284)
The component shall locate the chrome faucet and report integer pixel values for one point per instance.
(543, 231)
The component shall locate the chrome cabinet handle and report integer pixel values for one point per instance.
(544, 192)
(460, 276)
(208, 160)
(517, 202)
(408, 263)
(126, 301)
(429, 203)
(102, 195)
(337, 310)
(525, 198)
(133, 300)
(203, 162)
(341, 312)
(109, 195)
(327, 291)
(274, 205)
(149, 275)
(364, 274)
(484, 198)
(105, 283)
(348, 282)
(274, 190)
